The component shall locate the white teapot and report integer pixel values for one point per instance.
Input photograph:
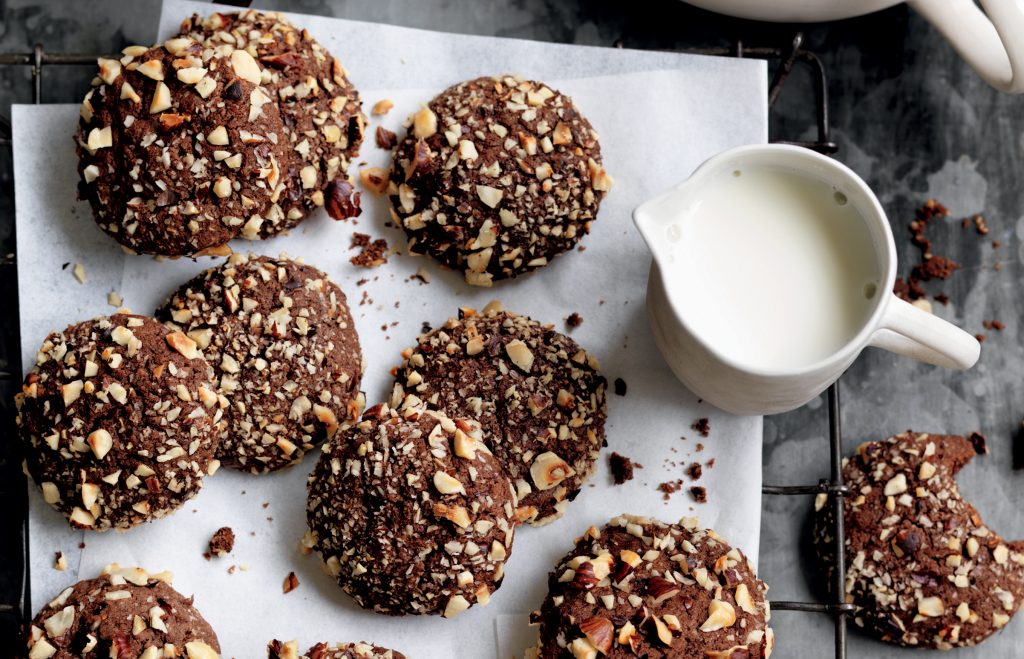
(993, 45)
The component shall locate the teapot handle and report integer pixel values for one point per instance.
(991, 43)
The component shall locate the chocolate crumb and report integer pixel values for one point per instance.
(978, 442)
(695, 471)
(621, 468)
(699, 494)
(942, 299)
(700, 447)
(998, 325)
(668, 488)
(620, 387)
(996, 244)
(291, 582)
(373, 253)
(702, 426)
(980, 337)
(359, 240)
(385, 138)
(222, 542)
(574, 320)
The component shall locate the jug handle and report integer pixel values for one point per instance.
(991, 44)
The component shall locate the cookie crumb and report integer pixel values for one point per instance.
(79, 272)
(373, 252)
(574, 320)
(695, 471)
(702, 426)
(620, 387)
(668, 488)
(978, 442)
(699, 494)
(621, 468)
(382, 107)
(222, 542)
(423, 275)
(60, 563)
(291, 582)
(385, 138)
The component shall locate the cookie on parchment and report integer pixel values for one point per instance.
(320, 108)
(497, 176)
(180, 148)
(118, 419)
(921, 566)
(643, 588)
(285, 355)
(290, 650)
(411, 513)
(539, 397)
(126, 612)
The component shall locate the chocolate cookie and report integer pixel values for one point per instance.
(118, 419)
(642, 588)
(497, 176)
(411, 513)
(539, 397)
(290, 650)
(126, 612)
(321, 109)
(284, 351)
(180, 148)
(921, 567)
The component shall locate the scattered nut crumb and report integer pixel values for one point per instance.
(114, 299)
(382, 107)
(620, 387)
(978, 442)
(385, 138)
(60, 563)
(695, 471)
(699, 494)
(222, 542)
(574, 320)
(79, 272)
(621, 468)
(423, 275)
(291, 582)
(231, 569)
(374, 179)
(373, 253)
(702, 426)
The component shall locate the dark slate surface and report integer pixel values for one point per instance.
(908, 116)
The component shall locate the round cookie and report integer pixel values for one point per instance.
(290, 650)
(126, 612)
(921, 567)
(411, 513)
(639, 587)
(285, 355)
(118, 420)
(180, 149)
(321, 109)
(497, 176)
(538, 396)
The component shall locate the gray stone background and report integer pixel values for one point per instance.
(908, 115)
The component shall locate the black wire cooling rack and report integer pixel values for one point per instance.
(14, 487)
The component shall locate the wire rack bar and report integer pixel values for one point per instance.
(788, 57)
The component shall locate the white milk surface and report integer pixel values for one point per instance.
(772, 268)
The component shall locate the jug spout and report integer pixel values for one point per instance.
(655, 220)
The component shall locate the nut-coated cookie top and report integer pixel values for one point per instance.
(180, 148)
(411, 513)
(126, 612)
(642, 588)
(497, 176)
(921, 567)
(290, 650)
(118, 419)
(320, 107)
(285, 355)
(539, 397)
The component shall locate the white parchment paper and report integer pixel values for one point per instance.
(659, 115)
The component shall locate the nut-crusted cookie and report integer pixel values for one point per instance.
(118, 419)
(321, 109)
(643, 588)
(539, 397)
(180, 148)
(285, 354)
(126, 612)
(411, 513)
(290, 650)
(497, 176)
(921, 567)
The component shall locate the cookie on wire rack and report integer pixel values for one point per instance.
(285, 353)
(118, 418)
(125, 612)
(320, 108)
(181, 148)
(539, 397)
(921, 566)
(643, 588)
(496, 176)
(411, 513)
